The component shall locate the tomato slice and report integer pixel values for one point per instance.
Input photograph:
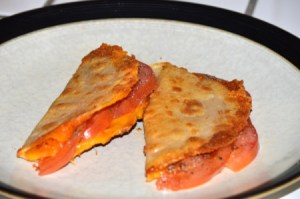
(193, 171)
(65, 153)
(100, 121)
(140, 91)
(197, 170)
(63, 156)
(244, 149)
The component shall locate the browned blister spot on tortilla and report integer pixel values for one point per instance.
(170, 113)
(195, 141)
(204, 87)
(191, 107)
(189, 124)
(103, 77)
(176, 89)
(174, 100)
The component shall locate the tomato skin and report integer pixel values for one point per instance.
(244, 149)
(193, 171)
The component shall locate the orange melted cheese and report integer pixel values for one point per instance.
(117, 127)
(49, 144)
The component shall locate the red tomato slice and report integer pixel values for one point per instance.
(140, 91)
(63, 156)
(245, 149)
(100, 121)
(193, 171)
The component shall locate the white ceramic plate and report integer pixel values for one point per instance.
(36, 66)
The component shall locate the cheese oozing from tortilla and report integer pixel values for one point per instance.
(190, 114)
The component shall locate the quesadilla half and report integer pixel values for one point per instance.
(191, 127)
(103, 99)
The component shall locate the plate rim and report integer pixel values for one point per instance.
(251, 28)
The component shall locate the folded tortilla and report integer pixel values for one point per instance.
(190, 114)
(105, 77)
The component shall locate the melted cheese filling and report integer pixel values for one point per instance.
(48, 146)
(117, 127)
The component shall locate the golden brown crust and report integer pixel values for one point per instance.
(107, 69)
(190, 114)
